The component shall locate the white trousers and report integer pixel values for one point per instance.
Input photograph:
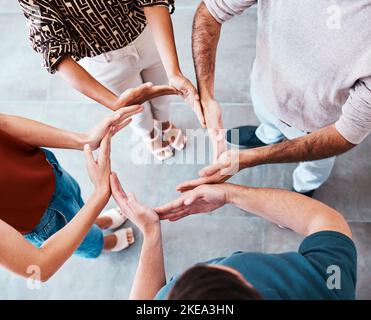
(130, 67)
(309, 175)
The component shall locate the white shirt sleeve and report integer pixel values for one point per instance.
(355, 122)
(223, 10)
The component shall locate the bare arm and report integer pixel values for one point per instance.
(42, 135)
(205, 38)
(302, 214)
(82, 81)
(323, 143)
(160, 24)
(16, 254)
(297, 212)
(161, 27)
(150, 274)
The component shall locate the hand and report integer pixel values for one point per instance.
(203, 199)
(142, 216)
(189, 94)
(117, 121)
(214, 123)
(227, 165)
(143, 93)
(99, 170)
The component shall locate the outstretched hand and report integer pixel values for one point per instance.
(142, 216)
(143, 93)
(190, 95)
(203, 199)
(115, 122)
(226, 166)
(99, 169)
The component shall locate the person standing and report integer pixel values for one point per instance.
(310, 86)
(117, 51)
(323, 268)
(41, 203)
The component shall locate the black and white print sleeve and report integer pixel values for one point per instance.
(47, 33)
(168, 3)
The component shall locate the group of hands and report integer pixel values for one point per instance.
(201, 195)
(225, 162)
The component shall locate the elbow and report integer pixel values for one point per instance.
(42, 270)
(45, 276)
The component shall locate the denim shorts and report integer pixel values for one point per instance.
(65, 203)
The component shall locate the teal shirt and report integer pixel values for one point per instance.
(302, 275)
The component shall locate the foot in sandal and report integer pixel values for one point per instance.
(119, 240)
(173, 135)
(111, 219)
(159, 148)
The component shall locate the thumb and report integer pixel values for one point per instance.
(133, 202)
(89, 155)
(148, 85)
(210, 170)
(190, 199)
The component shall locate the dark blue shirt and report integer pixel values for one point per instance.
(325, 267)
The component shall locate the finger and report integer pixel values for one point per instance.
(146, 85)
(195, 93)
(199, 112)
(210, 170)
(116, 187)
(180, 212)
(189, 200)
(127, 112)
(165, 90)
(121, 126)
(190, 185)
(89, 155)
(174, 215)
(178, 203)
(105, 148)
(133, 202)
(179, 217)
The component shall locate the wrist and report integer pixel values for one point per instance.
(102, 192)
(249, 158)
(152, 229)
(175, 72)
(206, 98)
(233, 192)
(81, 139)
(111, 102)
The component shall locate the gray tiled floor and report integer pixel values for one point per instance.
(26, 89)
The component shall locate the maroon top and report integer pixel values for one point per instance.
(27, 183)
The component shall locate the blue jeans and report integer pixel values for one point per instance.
(65, 203)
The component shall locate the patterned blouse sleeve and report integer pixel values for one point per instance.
(47, 33)
(168, 3)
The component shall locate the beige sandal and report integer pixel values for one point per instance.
(116, 216)
(180, 140)
(122, 239)
(162, 153)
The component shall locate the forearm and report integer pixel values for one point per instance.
(82, 81)
(289, 209)
(57, 249)
(150, 276)
(161, 27)
(41, 135)
(17, 254)
(205, 38)
(323, 143)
